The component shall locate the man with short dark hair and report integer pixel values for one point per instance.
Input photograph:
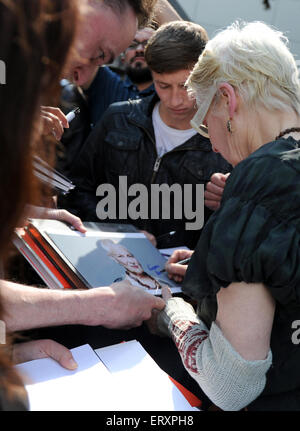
(151, 142)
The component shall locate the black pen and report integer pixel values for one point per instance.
(184, 261)
(181, 262)
(164, 235)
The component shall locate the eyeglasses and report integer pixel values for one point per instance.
(201, 129)
(135, 45)
(197, 121)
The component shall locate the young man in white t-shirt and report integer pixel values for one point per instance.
(150, 142)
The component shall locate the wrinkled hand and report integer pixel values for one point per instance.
(175, 271)
(151, 237)
(214, 190)
(132, 306)
(54, 121)
(24, 352)
(55, 214)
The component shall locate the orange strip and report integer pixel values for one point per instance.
(191, 398)
(57, 259)
(47, 262)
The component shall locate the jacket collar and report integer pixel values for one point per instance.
(141, 115)
(141, 112)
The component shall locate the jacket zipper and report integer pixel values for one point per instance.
(158, 159)
(156, 168)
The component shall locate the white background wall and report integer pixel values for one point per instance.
(217, 14)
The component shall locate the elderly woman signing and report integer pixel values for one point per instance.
(245, 271)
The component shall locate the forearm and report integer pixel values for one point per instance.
(230, 381)
(28, 307)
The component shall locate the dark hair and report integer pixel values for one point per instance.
(142, 8)
(175, 46)
(35, 37)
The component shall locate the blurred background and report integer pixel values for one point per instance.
(216, 14)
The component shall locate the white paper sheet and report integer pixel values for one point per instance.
(147, 386)
(52, 387)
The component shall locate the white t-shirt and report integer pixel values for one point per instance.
(166, 137)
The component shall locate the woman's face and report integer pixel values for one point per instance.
(127, 260)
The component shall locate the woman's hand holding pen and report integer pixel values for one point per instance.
(54, 121)
(175, 270)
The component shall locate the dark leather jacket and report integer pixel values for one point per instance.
(123, 145)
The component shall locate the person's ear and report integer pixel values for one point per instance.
(228, 93)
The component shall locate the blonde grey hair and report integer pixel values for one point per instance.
(254, 59)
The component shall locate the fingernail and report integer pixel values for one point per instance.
(72, 365)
